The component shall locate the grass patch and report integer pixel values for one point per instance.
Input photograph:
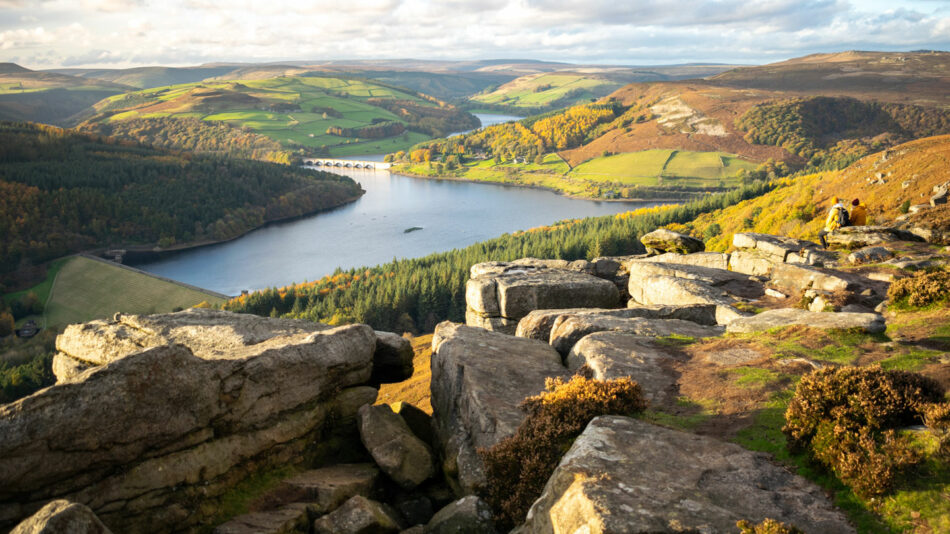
(690, 414)
(43, 288)
(755, 376)
(87, 289)
(237, 500)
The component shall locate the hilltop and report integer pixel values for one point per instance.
(317, 114)
(48, 97)
(907, 77)
(537, 92)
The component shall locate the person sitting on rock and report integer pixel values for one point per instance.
(859, 214)
(837, 217)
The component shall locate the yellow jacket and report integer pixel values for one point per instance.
(831, 223)
(859, 215)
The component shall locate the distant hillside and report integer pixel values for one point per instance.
(62, 192)
(48, 97)
(315, 114)
(148, 77)
(911, 77)
(534, 93)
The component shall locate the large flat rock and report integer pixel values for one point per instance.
(854, 237)
(712, 260)
(797, 278)
(568, 330)
(867, 322)
(538, 324)
(512, 291)
(775, 247)
(625, 475)
(328, 487)
(138, 436)
(613, 354)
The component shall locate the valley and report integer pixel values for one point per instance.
(567, 296)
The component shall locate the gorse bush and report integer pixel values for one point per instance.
(846, 419)
(768, 526)
(518, 467)
(921, 290)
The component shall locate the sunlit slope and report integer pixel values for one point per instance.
(798, 209)
(51, 98)
(539, 90)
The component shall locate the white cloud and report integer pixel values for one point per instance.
(176, 32)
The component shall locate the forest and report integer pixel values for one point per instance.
(832, 132)
(528, 138)
(196, 135)
(62, 192)
(415, 294)
(437, 121)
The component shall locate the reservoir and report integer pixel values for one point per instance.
(442, 214)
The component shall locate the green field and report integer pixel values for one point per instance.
(541, 90)
(599, 176)
(82, 289)
(665, 167)
(261, 106)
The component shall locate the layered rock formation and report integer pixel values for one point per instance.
(181, 407)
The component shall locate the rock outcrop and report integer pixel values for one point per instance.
(210, 335)
(854, 237)
(359, 515)
(500, 294)
(479, 379)
(466, 515)
(62, 517)
(611, 355)
(626, 475)
(663, 240)
(396, 450)
(568, 330)
(154, 429)
(538, 324)
(866, 322)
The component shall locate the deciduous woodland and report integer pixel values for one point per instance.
(62, 192)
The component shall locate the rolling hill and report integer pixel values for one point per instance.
(906, 77)
(778, 118)
(148, 77)
(27, 95)
(543, 91)
(318, 114)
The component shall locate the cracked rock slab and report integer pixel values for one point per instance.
(626, 475)
(867, 322)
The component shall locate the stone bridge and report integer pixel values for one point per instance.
(350, 163)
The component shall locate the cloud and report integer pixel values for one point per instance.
(176, 32)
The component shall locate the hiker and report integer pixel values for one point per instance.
(859, 214)
(837, 217)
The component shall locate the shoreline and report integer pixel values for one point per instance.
(139, 253)
(540, 187)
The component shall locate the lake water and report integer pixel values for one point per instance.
(371, 230)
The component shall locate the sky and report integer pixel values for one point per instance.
(41, 34)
